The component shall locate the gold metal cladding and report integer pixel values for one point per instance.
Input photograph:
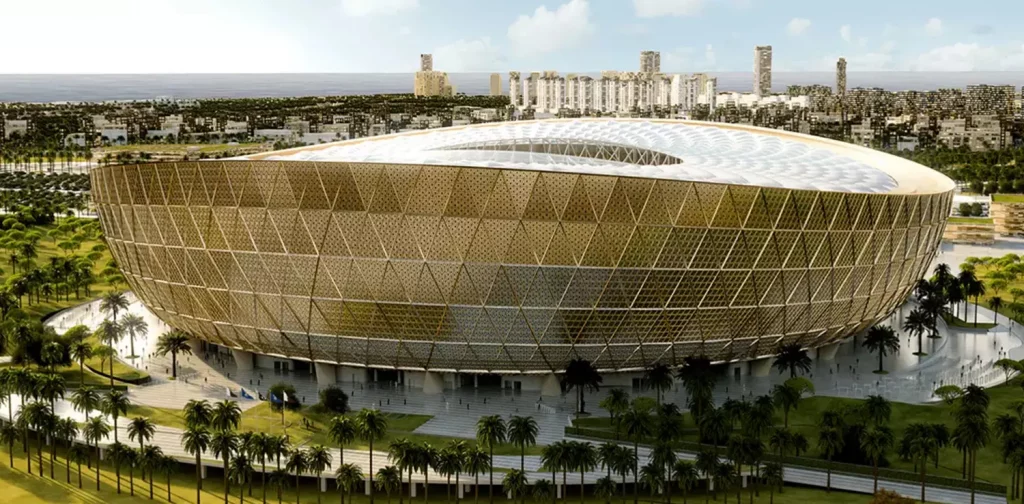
(484, 269)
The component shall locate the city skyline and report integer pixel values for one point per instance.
(569, 35)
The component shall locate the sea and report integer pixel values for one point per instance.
(44, 88)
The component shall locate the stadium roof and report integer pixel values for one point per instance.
(663, 149)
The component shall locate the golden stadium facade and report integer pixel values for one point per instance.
(516, 247)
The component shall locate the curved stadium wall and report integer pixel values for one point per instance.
(505, 270)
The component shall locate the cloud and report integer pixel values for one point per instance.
(547, 31)
(405, 30)
(797, 26)
(982, 29)
(846, 33)
(363, 8)
(634, 29)
(709, 55)
(689, 59)
(659, 8)
(888, 46)
(933, 27)
(961, 57)
(468, 56)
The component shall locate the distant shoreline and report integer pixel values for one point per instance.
(45, 88)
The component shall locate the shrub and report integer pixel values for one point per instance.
(334, 400)
(884, 496)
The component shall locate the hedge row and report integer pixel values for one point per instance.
(815, 463)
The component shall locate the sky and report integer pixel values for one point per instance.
(269, 36)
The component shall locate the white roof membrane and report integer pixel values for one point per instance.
(664, 150)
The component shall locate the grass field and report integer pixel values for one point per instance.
(19, 487)
(1008, 198)
(967, 324)
(981, 221)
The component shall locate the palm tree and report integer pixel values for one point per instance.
(298, 464)
(225, 415)
(280, 479)
(882, 339)
(113, 302)
(81, 351)
(557, 457)
(830, 443)
(651, 477)
(389, 480)
(118, 454)
(150, 459)
(115, 404)
(85, 399)
(131, 458)
(772, 474)
(921, 448)
(372, 426)
(878, 409)
(972, 287)
(223, 444)
(514, 483)
(791, 356)
(491, 430)
(606, 455)
(319, 460)
(637, 424)
(995, 303)
(405, 456)
(133, 324)
(583, 458)
(263, 449)
(605, 489)
(174, 342)
(347, 475)
(580, 374)
(143, 429)
(477, 463)
(426, 459)
(37, 416)
(241, 471)
(724, 477)
(9, 434)
(108, 333)
(522, 432)
(196, 440)
(95, 431)
(342, 430)
(875, 443)
(658, 377)
(686, 476)
(197, 413)
(76, 455)
(449, 463)
(787, 397)
(542, 490)
(917, 324)
(616, 403)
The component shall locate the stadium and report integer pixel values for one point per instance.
(512, 248)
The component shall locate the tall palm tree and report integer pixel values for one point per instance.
(224, 444)
(875, 443)
(115, 404)
(388, 480)
(150, 459)
(787, 397)
(460, 450)
(972, 286)
(81, 351)
(522, 432)
(86, 399)
(830, 443)
(882, 339)
(342, 431)
(405, 456)
(477, 463)
(118, 453)
(581, 375)
(319, 460)
(108, 333)
(995, 303)
(96, 430)
(426, 458)
(347, 475)
(299, 465)
(659, 378)
(65, 431)
(583, 456)
(638, 426)
(491, 430)
(791, 357)
(698, 379)
(616, 403)
(196, 440)
(921, 448)
(772, 474)
(174, 342)
(133, 324)
(557, 457)
(168, 466)
(373, 425)
(241, 471)
(606, 455)
(9, 434)
(917, 324)
(264, 449)
(449, 462)
(37, 416)
(76, 455)
(280, 479)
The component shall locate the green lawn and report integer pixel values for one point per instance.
(967, 324)
(1008, 198)
(172, 148)
(986, 221)
(19, 487)
(122, 371)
